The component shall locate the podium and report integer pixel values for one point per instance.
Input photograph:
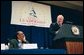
(74, 47)
(65, 39)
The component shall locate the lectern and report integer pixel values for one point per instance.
(68, 39)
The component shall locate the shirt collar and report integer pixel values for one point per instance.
(19, 41)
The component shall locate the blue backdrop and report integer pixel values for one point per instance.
(39, 35)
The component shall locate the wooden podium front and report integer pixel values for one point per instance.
(74, 47)
(66, 39)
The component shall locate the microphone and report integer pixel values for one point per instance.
(69, 22)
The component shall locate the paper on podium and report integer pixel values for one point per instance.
(30, 46)
(3, 46)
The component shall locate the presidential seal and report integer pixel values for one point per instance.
(75, 30)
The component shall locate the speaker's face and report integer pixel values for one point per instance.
(60, 19)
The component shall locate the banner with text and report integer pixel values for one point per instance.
(30, 14)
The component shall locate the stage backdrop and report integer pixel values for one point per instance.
(30, 14)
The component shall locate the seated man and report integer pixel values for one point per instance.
(20, 39)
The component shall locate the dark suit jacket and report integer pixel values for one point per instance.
(54, 27)
(14, 44)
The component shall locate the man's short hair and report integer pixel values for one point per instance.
(19, 32)
(60, 16)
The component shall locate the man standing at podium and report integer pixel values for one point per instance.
(20, 39)
(55, 26)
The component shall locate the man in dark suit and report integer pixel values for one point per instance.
(16, 43)
(54, 27)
